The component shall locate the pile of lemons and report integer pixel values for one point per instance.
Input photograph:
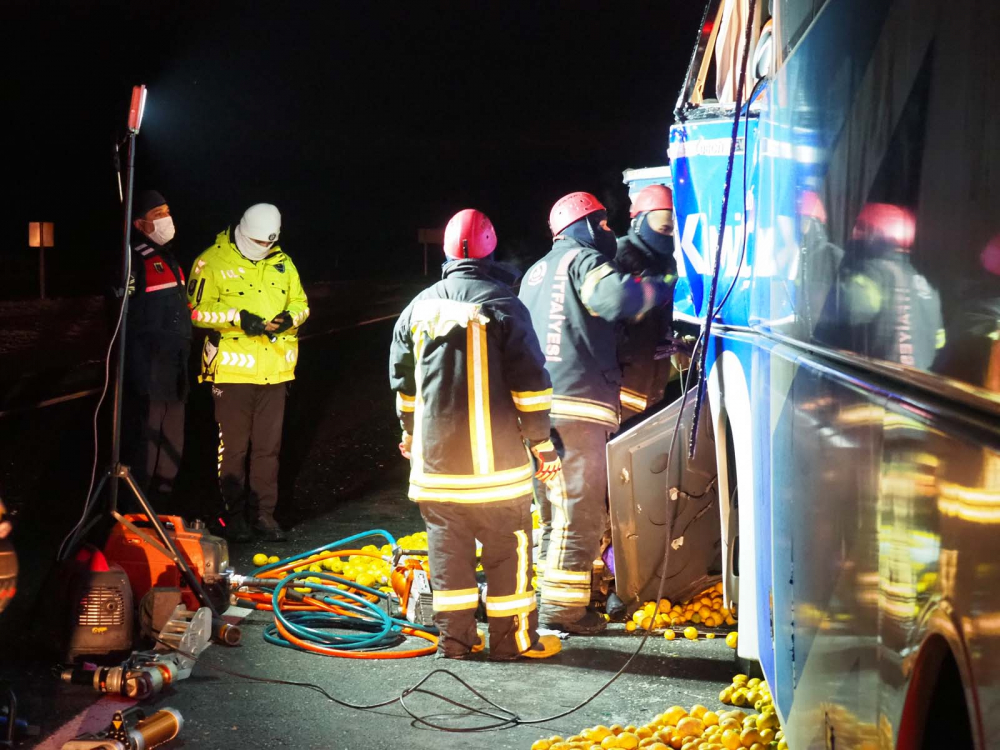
(748, 691)
(705, 608)
(678, 729)
(372, 572)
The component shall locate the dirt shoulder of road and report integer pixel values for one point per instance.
(51, 348)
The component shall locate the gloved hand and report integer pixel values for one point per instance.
(406, 447)
(252, 325)
(548, 460)
(280, 323)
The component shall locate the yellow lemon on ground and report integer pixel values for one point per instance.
(710, 635)
(731, 740)
(726, 695)
(259, 559)
(673, 715)
(768, 721)
(365, 579)
(690, 726)
(273, 559)
(630, 626)
(697, 711)
(598, 733)
(740, 679)
(611, 741)
(541, 745)
(749, 737)
(669, 635)
(710, 718)
(691, 633)
(643, 733)
(739, 698)
(664, 605)
(647, 623)
(766, 736)
(627, 741)
(731, 639)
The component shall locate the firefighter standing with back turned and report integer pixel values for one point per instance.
(157, 351)
(471, 387)
(575, 295)
(246, 291)
(647, 250)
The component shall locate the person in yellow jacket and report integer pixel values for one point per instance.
(246, 291)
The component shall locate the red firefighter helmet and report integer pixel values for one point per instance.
(570, 208)
(887, 223)
(652, 198)
(469, 234)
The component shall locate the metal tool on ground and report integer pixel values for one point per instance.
(145, 673)
(131, 729)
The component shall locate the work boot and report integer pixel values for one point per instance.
(543, 648)
(478, 648)
(591, 623)
(236, 530)
(268, 530)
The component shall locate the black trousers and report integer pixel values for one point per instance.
(573, 519)
(250, 418)
(504, 529)
(156, 432)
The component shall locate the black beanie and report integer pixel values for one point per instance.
(145, 201)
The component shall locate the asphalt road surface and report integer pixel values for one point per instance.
(341, 474)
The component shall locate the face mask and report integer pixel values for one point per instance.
(163, 230)
(248, 248)
(661, 244)
(593, 231)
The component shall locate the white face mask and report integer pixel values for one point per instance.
(248, 248)
(163, 230)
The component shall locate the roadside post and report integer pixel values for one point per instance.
(41, 234)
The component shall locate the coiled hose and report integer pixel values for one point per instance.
(316, 620)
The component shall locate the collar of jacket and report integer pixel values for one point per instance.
(225, 239)
(481, 268)
(635, 256)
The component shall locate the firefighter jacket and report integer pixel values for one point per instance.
(644, 378)
(576, 295)
(159, 326)
(224, 282)
(471, 386)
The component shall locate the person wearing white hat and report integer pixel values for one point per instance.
(246, 291)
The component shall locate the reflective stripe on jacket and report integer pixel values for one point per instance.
(223, 283)
(575, 294)
(470, 386)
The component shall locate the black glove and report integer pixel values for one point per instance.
(252, 325)
(280, 322)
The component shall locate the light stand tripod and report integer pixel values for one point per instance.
(117, 471)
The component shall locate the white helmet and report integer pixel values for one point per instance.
(262, 222)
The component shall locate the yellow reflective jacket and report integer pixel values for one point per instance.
(223, 283)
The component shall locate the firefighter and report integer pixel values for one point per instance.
(246, 291)
(157, 349)
(471, 388)
(647, 250)
(576, 294)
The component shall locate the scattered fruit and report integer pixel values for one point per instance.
(731, 639)
(259, 559)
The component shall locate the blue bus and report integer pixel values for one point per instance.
(845, 485)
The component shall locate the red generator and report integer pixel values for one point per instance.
(147, 567)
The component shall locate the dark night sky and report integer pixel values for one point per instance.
(361, 122)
